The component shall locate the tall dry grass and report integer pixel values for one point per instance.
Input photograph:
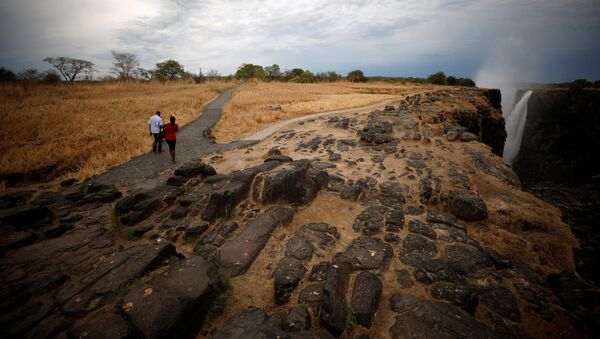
(89, 127)
(257, 104)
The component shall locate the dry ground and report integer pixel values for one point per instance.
(259, 104)
(89, 127)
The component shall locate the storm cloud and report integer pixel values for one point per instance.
(533, 40)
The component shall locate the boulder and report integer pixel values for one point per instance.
(295, 184)
(466, 258)
(195, 169)
(297, 319)
(12, 199)
(299, 247)
(334, 308)
(288, 273)
(237, 255)
(367, 253)
(467, 205)
(416, 249)
(365, 298)
(371, 220)
(418, 318)
(312, 295)
(419, 227)
(173, 304)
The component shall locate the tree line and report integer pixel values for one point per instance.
(127, 66)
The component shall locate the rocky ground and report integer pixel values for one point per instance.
(399, 223)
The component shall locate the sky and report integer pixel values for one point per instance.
(520, 41)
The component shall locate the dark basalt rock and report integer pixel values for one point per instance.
(12, 199)
(313, 144)
(312, 295)
(177, 180)
(105, 325)
(321, 232)
(295, 184)
(297, 319)
(467, 205)
(195, 230)
(334, 309)
(467, 259)
(237, 255)
(137, 207)
(114, 274)
(500, 300)
(416, 249)
(419, 318)
(418, 227)
(371, 220)
(94, 192)
(404, 279)
(17, 239)
(441, 217)
(280, 158)
(353, 192)
(171, 304)
(391, 194)
(365, 298)
(25, 216)
(461, 295)
(288, 273)
(195, 169)
(299, 247)
(250, 323)
(426, 190)
(366, 253)
(319, 271)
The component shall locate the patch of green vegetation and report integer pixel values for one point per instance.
(350, 319)
(114, 224)
(128, 233)
(219, 305)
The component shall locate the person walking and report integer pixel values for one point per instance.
(155, 125)
(170, 130)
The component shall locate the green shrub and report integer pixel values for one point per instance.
(356, 76)
(438, 78)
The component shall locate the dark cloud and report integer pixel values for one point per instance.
(554, 40)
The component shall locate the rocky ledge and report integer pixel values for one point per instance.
(401, 223)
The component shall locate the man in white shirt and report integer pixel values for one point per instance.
(155, 125)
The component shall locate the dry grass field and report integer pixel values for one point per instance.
(260, 103)
(88, 128)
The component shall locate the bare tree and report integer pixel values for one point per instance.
(70, 68)
(143, 74)
(125, 65)
(30, 74)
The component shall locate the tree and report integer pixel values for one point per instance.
(70, 68)
(306, 77)
(438, 78)
(273, 72)
(125, 65)
(451, 80)
(50, 77)
(248, 71)
(7, 75)
(356, 76)
(29, 74)
(333, 76)
(168, 70)
(465, 82)
(143, 74)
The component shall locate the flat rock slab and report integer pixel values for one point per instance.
(237, 255)
(419, 318)
(173, 304)
(365, 298)
(250, 323)
(367, 253)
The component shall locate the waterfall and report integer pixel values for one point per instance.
(515, 125)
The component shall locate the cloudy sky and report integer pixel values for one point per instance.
(526, 40)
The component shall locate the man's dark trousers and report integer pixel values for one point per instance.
(157, 145)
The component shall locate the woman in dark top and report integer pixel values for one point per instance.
(170, 130)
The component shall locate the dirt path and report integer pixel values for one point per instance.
(144, 171)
